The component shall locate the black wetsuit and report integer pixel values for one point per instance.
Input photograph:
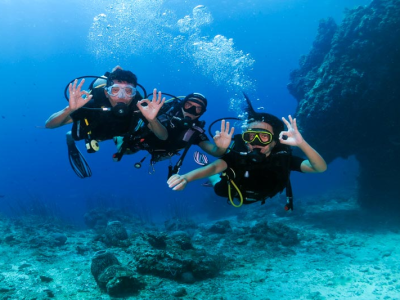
(257, 180)
(180, 133)
(103, 125)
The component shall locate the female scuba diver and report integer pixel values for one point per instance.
(258, 165)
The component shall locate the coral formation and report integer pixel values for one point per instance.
(101, 260)
(112, 277)
(115, 233)
(336, 248)
(348, 92)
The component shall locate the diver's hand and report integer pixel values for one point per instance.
(293, 136)
(153, 107)
(76, 100)
(223, 138)
(177, 182)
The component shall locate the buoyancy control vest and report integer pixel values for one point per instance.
(182, 133)
(90, 122)
(252, 179)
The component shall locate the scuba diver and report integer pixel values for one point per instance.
(181, 119)
(110, 109)
(258, 164)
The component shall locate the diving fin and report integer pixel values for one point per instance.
(76, 159)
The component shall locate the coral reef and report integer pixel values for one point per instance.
(115, 234)
(348, 95)
(331, 250)
(112, 277)
(173, 256)
(101, 261)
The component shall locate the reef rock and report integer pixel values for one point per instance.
(348, 95)
(177, 259)
(116, 234)
(112, 277)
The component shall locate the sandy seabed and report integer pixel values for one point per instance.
(342, 253)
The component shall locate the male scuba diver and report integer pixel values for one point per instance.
(110, 109)
(258, 165)
(181, 119)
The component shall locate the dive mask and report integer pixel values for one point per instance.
(258, 136)
(192, 109)
(121, 90)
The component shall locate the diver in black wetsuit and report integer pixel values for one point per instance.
(181, 119)
(259, 164)
(110, 109)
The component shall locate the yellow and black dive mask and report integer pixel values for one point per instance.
(258, 136)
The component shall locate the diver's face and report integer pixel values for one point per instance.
(197, 108)
(120, 97)
(264, 149)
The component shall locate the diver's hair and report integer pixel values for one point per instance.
(122, 75)
(253, 116)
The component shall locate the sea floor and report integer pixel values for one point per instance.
(340, 253)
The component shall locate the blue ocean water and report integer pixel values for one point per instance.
(217, 48)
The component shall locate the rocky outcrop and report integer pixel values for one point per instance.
(112, 277)
(348, 92)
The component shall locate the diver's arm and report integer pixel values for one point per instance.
(76, 101)
(60, 118)
(315, 162)
(178, 182)
(211, 149)
(159, 130)
(222, 141)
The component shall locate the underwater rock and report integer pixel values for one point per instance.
(156, 241)
(119, 281)
(181, 292)
(115, 233)
(112, 277)
(348, 94)
(274, 232)
(182, 240)
(49, 293)
(59, 239)
(45, 279)
(159, 263)
(101, 260)
(47, 240)
(220, 227)
(182, 266)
